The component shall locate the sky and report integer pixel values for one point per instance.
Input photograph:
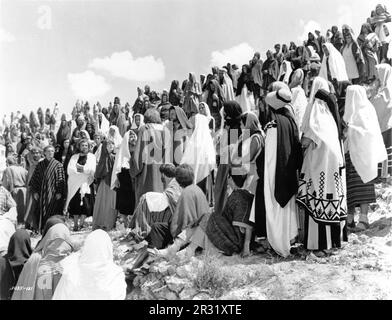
(61, 51)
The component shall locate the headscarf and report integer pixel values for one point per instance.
(133, 126)
(227, 86)
(208, 112)
(91, 273)
(286, 73)
(182, 118)
(336, 64)
(19, 250)
(382, 101)
(123, 156)
(364, 139)
(28, 277)
(174, 97)
(233, 113)
(103, 127)
(318, 83)
(116, 138)
(200, 151)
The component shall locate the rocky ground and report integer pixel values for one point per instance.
(360, 270)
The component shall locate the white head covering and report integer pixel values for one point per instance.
(200, 151)
(207, 108)
(382, 101)
(123, 156)
(318, 83)
(116, 138)
(227, 87)
(133, 126)
(286, 73)
(364, 139)
(104, 126)
(336, 64)
(91, 273)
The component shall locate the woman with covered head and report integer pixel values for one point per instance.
(11, 265)
(282, 160)
(177, 133)
(333, 67)
(91, 274)
(379, 19)
(80, 197)
(232, 120)
(121, 181)
(365, 150)
(322, 190)
(200, 153)
(227, 85)
(41, 273)
(175, 93)
(215, 100)
(369, 44)
(285, 72)
(117, 118)
(148, 155)
(192, 95)
(244, 95)
(164, 106)
(270, 70)
(104, 211)
(138, 121)
(352, 55)
(64, 132)
(382, 102)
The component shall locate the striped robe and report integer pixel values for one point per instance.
(48, 180)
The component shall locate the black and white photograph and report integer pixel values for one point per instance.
(194, 150)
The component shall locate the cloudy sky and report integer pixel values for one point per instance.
(59, 51)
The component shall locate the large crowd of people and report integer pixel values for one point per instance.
(251, 159)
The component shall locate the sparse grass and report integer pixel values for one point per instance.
(211, 279)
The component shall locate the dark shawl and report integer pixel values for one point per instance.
(105, 165)
(213, 95)
(233, 113)
(48, 179)
(289, 156)
(223, 228)
(11, 265)
(245, 79)
(272, 66)
(63, 133)
(174, 97)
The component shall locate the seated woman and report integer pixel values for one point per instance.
(41, 273)
(90, 273)
(11, 265)
(155, 209)
(191, 207)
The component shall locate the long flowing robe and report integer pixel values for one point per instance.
(48, 180)
(147, 158)
(191, 207)
(322, 190)
(105, 213)
(192, 95)
(364, 139)
(334, 63)
(200, 151)
(63, 133)
(80, 181)
(15, 181)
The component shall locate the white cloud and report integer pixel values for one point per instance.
(5, 36)
(87, 85)
(124, 65)
(240, 54)
(307, 27)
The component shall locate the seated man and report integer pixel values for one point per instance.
(192, 208)
(155, 209)
(8, 216)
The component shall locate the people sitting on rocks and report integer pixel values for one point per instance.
(154, 212)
